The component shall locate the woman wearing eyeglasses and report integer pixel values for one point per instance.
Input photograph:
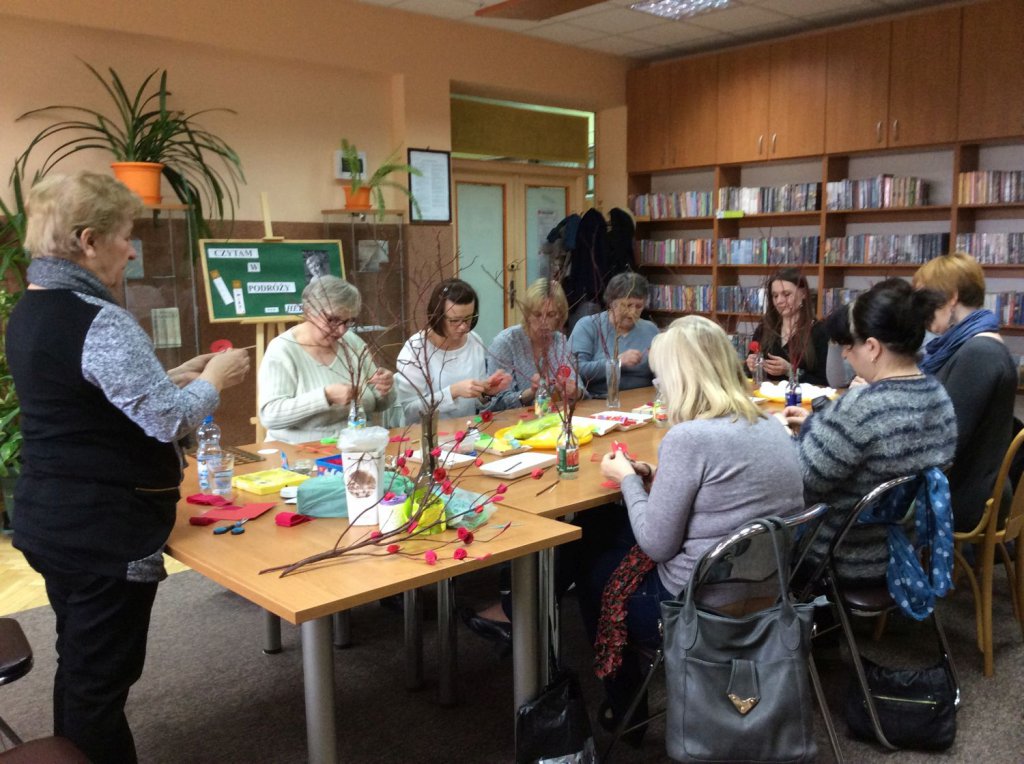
(446, 365)
(311, 372)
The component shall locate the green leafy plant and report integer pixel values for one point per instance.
(10, 409)
(13, 259)
(378, 180)
(203, 170)
(13, 262)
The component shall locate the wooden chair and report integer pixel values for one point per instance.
(988, 535)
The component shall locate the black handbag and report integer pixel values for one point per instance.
(738, 687)
(916, 707)
(554, 727)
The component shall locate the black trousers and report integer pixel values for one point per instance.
(102, 627)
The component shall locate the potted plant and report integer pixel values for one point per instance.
(202, 169)
(365, 191)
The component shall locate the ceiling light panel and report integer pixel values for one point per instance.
(677, 9)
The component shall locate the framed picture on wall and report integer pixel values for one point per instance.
(341, 169)
(432, 189)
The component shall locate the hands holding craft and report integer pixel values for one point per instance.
(479, 388)
(618, 464)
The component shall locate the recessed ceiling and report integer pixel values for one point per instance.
(611, 27)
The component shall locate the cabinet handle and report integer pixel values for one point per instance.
(878, 131)
(895, 129)
(774, 136)
(760, 144)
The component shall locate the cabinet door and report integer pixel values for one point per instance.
(694, 121)
(991, 74)
(743, 82)
(924, 68)
(857, 103)
(796, 104)
(647, 118)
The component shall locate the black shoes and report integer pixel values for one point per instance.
(499, 632)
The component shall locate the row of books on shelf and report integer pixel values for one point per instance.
(676, 252)
(876, 193)
(769, 250)
(885, 249)
(758, 200)
(685, 204)
(991, 187)
(837, 298)
(1008, 307)
(741, 299)
(993, 248)
(680, 297)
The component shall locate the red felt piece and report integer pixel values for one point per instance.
(609, 484)
(218, 346)
(288, 519)
(207, 499)
(200, 520)
(246, 512)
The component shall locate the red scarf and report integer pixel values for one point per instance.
(612, 632)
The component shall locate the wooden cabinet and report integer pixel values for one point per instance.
(771, 101)
(694, 112)
(991, 73)
(924, 69)
(648, 118)
(743, 91)
(893, 84)
(857, 104)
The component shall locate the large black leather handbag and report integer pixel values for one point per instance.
(738, 687)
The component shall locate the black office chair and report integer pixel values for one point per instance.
(15, 662)
(740, 580)
(870, 601)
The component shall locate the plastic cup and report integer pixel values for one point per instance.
(223, 469)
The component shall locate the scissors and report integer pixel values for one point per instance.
(235, 529)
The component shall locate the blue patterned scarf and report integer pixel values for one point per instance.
(942, 348)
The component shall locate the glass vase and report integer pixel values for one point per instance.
(568, 453)
(356, 415)
(613, 376)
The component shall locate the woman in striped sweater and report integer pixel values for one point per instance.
(901, 423)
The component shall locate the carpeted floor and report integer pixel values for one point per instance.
(210, 695)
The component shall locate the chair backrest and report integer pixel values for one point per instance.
(1015, 520)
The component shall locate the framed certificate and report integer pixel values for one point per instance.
(432, 189)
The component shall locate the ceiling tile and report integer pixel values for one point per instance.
(446, 9)
(675, 32)
(737, 19)
(618, 21)
(621, 46)
(570, 34)
(808, 8)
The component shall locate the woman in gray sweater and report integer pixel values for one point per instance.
(721, 464)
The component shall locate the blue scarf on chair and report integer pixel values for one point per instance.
(942, 348)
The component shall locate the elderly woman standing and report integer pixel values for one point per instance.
(311, 373)
(971, 361)
(618, 332)
(100, 466)
(535, 349)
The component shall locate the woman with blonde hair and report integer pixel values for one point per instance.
(971, 361)
(722, 463)
(535, 349)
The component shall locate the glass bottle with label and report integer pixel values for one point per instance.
(568, 454)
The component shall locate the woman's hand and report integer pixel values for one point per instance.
(857, 381)
(793, 417)
(569, 388)
(468, 388)
(190, 370)
(497, 382)
(226, 369)
(751, 362)
(382, 381)
(339, 394)
(630, 358)
(776, 365)
(615, 466)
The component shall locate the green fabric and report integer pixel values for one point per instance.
(323, 496)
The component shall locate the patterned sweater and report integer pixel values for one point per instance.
(872, 434)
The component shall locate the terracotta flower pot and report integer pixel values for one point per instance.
(141, 177)
(360, 200)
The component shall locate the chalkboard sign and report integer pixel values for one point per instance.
(257, 280)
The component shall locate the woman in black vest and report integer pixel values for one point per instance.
(100, 465)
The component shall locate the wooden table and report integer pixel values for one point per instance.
(309, 598)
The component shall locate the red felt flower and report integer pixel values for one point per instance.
(459, 554)
(496, 499)
(466, 536)
(435, 451)
(430, 556)
(404, 470)
(486, 416)
(375, 534)
(483, 556)
(440, 474)
(478, 461)
(460, 436)
(400, 461)
(389, 496)
(408, 453)
(479, 509)
(501, 488)
(537, 473)
(413, 524)
(563, 372)
(755, 347)
(447, 488)
(393, 548)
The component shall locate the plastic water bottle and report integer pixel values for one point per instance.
(758, 371)
(542, 400)
(658, 408)
(208, 436)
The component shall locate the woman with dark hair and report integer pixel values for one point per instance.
(446, 365)
(971, 361)
(900, 423)
(618, 332)
(789, 332)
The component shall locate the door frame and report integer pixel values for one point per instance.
(515, 178)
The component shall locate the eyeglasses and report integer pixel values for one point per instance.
(333, 322)
(467, 321)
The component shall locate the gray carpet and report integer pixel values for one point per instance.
(209, 694)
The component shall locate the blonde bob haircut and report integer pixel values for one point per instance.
(541, 290)
(956, 274)
(60, 207)
(699, 373)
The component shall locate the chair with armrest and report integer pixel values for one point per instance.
(993, 532)
(740, 579)
(874, 601)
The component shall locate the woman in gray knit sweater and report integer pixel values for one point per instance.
(721, 464)
(900, 423)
